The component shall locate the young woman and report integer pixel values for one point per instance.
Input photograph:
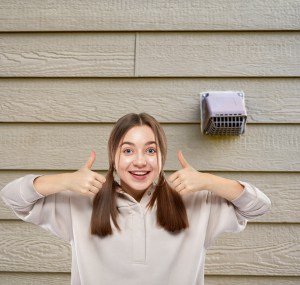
(133, 226)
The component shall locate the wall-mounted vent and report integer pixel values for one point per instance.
(223, 112)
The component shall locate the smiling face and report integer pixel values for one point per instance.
(138, 160)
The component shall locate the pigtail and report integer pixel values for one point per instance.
(105, 208)
(171, 211)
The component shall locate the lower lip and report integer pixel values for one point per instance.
(140, 177)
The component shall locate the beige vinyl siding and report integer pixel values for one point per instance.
(170, 100)
(67, 54)
(116, 15)
(218, 54)
(60, 146)
(159, 54)
(69, 71)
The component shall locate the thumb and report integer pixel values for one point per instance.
(91, 160)
(182, 160)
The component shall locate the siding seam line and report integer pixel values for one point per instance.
(136, 54)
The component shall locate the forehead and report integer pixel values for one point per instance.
(139, 134)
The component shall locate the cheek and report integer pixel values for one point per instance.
(155, 163)
(123, 162)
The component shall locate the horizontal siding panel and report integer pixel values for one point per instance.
(20, 278)
(65, 279)
(67, 54)
(107, 15)
(268, 100)
(157, 54)
(218, 54)
(281, 188)
(251, 280)
(259, 250)
(67, 146)
(27, 248)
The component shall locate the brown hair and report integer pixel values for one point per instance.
(171, 212)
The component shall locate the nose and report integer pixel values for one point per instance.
(140, 160)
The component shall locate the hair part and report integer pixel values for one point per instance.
(171, 212)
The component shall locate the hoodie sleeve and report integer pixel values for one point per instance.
(232, 216)
(51, 213)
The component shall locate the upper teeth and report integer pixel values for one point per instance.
(139, 172)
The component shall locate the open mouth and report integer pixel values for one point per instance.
(139, 174)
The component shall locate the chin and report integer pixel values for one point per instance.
(137, 186)
(140, 187)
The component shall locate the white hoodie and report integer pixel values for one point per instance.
(142, 253)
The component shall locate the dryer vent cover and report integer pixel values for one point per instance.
(223, 112)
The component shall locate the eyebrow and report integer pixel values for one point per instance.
(130, 143)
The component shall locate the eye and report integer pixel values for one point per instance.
(151, 150)
(127, 151)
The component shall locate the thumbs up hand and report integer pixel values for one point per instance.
(187, 179)
(86, 181)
